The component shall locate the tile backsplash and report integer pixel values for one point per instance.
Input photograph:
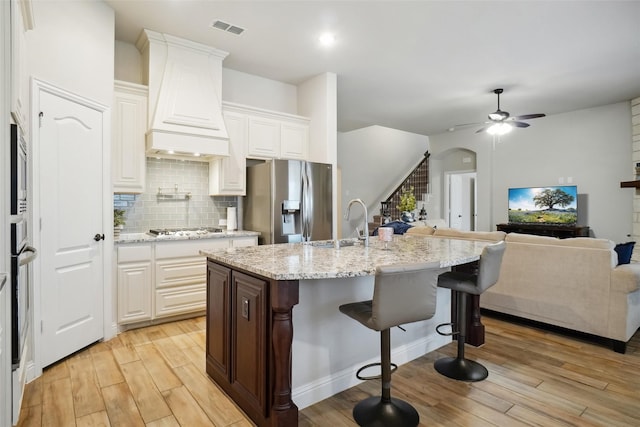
(149, 210)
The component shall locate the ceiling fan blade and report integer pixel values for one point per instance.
(529, 116)
(520, 124)
(463, 126)
(483, 129)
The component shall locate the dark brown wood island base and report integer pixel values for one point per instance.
(249, 337)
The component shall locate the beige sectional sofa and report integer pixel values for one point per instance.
(571, 283)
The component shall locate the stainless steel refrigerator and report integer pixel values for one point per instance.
(289, 201)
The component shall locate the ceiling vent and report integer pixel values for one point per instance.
(229, 28)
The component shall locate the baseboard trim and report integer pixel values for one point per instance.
(323, 388)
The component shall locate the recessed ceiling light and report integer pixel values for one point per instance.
(327, 39)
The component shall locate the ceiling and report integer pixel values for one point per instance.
(420, 66)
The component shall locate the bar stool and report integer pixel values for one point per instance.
(402, 294)
(459, 368)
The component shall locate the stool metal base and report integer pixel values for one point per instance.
(374, 411)
(461, 369)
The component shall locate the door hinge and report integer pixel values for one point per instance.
(40, 116)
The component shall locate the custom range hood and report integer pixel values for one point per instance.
(185, 88)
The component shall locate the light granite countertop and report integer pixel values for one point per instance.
(146, 237)
(321, 260)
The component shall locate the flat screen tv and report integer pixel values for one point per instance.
(544, 205)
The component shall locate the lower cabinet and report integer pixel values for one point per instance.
(249, 338)
(134, 283)
(180, 282)
(238, 337)
(218, 354)
(164, 279)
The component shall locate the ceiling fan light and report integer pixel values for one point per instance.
(498, 115)
(499, 129)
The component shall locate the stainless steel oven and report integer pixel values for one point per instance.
(18, 172)
(21, 252)
(21, 255)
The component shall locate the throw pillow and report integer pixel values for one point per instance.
(624, 251)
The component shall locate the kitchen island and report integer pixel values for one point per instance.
(252, 351)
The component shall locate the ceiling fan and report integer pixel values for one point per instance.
(501, 122)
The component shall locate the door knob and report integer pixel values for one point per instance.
(98, 237)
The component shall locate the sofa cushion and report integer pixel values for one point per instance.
(421, 231)
(624, 251)
(574, 242)
(399, 227)
(489, 236)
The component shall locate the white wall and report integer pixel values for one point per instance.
(592, 147)
(374, 161)
(247, 89)
(128, 63)
(317, 98)
(72, 47)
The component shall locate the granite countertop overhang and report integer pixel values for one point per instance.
(322, 260)
(146, 237)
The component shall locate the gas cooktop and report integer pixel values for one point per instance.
(162, 232)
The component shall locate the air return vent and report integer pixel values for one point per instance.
(225, 26)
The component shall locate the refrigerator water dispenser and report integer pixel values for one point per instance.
(290, 217)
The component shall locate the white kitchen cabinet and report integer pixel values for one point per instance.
(167, 278)
(294, 140)
(275, 135)
(135, 283)
(241, 242)
(20, 23)
(128, 140)
(264, 137)
(181, 276)
(227, 175)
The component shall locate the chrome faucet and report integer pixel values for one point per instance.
(366, 219)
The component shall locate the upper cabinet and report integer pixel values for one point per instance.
(227, 175)
(128, 137)
(277, 135)
(255, 133)
(21, 21)
(294, 139)
(264, 140)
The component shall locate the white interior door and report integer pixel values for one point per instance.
(71, 208)
(455, 201)
(462, 201)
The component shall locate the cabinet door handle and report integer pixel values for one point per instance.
(245, 308)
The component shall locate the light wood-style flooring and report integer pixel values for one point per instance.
(155, 376)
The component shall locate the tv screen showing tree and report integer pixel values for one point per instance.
(544, 205)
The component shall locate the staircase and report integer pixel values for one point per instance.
(418, 178)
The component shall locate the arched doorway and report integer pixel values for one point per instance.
(455, 169)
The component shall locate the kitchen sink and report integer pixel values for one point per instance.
(332, 243)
